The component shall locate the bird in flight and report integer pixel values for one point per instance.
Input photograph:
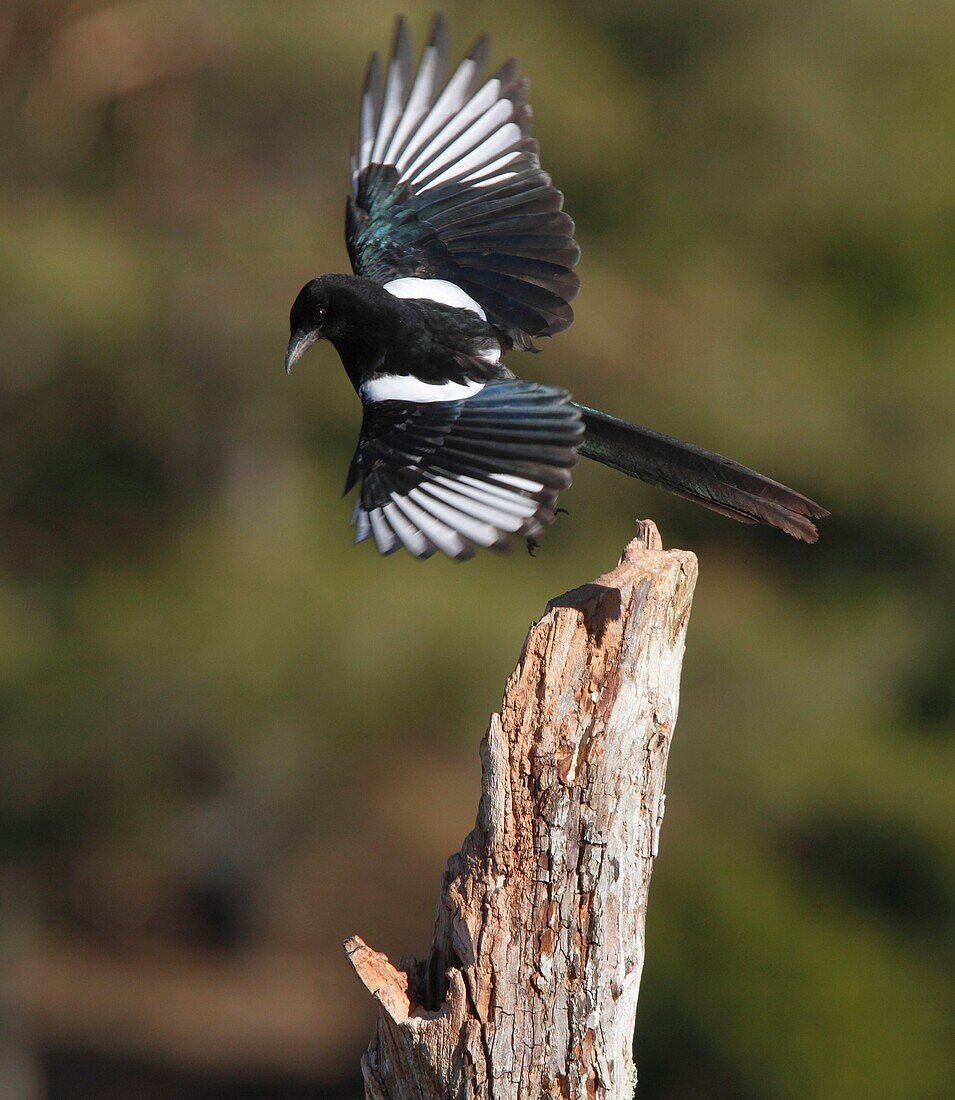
(462, 253)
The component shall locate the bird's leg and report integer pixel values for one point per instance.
(532, 543)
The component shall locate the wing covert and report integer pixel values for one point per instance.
(447, 184)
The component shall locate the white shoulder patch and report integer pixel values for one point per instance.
(434, 290)
(405, 387)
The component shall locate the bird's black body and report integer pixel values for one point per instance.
(462, 252)
(376, 333)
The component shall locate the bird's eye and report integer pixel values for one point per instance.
(320, 313)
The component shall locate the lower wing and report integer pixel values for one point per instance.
(455, 475)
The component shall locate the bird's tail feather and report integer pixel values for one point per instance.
(709, 479)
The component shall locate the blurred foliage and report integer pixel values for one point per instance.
(765, 196)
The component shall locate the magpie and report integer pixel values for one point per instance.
(461, 253)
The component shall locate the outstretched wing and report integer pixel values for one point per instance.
(453, 475)
(447, 185)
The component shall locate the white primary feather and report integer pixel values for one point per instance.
(359, 518)
(490, 119)
(393, 102)
(518, 482)
(414, 541)
(455, 138)
(366, 131)
(385, 538)
(494, 179)
(448, 513)
(443, 536)
(446, 107)
(445, 143)
(483, 534)
(504, 138)
(513, 503)
(421, 92)
(480, 511)
(479, 177)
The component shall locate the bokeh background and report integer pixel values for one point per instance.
(229, 738)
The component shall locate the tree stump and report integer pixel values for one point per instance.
(531, 987)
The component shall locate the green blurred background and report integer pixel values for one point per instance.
(229, 738)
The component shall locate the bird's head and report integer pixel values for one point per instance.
(308, 320)
(350, 311)
(355, 314)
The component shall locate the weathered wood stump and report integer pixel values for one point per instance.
(531, 987)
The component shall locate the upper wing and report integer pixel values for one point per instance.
(452, 475)
(447, 184)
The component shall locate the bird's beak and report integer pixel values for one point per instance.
(297, 347)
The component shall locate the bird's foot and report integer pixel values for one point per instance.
(532, 543)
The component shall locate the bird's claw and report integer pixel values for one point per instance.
(532, 543)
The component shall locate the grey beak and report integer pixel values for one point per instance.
(297, 347)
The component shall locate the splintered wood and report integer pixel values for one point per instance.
(531, 987)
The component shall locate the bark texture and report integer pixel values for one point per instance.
(531, 987)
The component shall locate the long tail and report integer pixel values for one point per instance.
(709, 479)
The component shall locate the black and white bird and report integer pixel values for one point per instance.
(461, 253)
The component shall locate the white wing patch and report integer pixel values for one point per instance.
(435, 290)
(405, 387)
